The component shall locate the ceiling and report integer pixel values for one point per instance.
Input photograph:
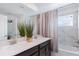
(24, 9)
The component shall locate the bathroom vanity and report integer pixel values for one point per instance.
(42, 49)
(38, 47)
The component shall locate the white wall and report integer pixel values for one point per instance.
(69, 9)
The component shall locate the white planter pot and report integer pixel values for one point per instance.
(12, 41)
(20, 39)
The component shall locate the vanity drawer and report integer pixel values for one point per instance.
(44, 44)
(45, 48)
(34, 54)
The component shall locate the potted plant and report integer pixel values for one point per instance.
(29, 32)
(21, 28)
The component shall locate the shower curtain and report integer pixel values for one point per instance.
(45, 24)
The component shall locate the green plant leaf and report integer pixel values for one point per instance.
(29, 30)
(21, 29)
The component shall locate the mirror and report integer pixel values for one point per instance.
(3, 27)
(12, 26)
(8, 26)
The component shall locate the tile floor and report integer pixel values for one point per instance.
(62, 53)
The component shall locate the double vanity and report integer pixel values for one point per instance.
(40, 46)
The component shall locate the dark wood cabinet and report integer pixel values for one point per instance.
(43, 49)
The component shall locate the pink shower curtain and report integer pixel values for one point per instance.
(42, 22)
(47, 26)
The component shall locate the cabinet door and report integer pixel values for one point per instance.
(44, 49)
(47, 50)
(42, 52)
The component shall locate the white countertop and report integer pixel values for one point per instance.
(20, 46)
